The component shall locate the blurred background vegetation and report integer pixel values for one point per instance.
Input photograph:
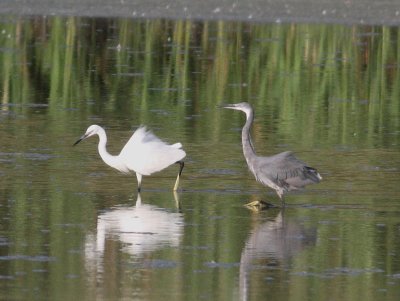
(341, 83)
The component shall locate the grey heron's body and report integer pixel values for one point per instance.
(282, 172)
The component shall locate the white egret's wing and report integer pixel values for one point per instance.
(145, 153)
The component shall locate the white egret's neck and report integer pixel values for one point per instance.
(104, 154)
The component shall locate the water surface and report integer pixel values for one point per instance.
(71, 227)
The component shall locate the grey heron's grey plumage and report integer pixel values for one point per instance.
(282, 172)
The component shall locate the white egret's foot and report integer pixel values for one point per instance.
(177, 202)
(259, 205)
(176, 183)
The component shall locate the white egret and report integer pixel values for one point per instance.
(282, 172)
(144, 153)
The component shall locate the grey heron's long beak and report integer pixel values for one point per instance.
(227, 106)
(80, 139)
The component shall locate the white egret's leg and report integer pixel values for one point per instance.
(182, 164)
(139, 181)
(138, 201)
(176, 183)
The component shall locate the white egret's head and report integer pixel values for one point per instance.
(91, 130)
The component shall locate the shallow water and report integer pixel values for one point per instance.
(71, 227)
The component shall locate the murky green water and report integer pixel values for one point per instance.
(73, 228)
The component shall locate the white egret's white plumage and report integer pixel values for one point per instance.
(144, 153)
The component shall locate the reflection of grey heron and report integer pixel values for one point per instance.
(282, 172)
(144, 153)
(272, 244)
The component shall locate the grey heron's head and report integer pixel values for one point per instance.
(91, 130)
(241, 106)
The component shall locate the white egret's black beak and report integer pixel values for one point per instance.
(80, 139)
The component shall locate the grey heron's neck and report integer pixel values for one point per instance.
(248, 148)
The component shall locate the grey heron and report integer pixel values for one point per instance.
(282, 172)
(144, 153)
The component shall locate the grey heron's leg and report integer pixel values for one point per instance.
(139, 180)
(280, 194)
(182, 164)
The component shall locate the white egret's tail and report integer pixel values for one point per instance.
(177, 145)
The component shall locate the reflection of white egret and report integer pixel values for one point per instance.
(144, 153)
(140, 229)
(275, 241)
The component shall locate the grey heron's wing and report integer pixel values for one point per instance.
(285, 170)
